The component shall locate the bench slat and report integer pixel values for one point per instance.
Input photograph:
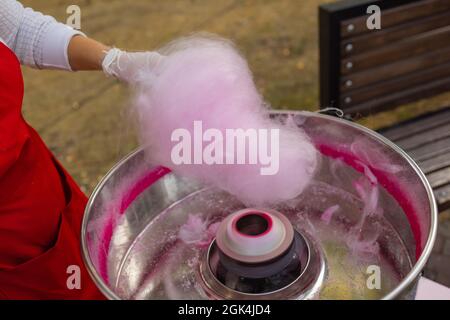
(417, 125)
(402, 97)
(396, 69)
(384, 88)
(376, 39)
(422, 138)
(411, 47)
(430, 150)
(435, 163)
(439, 178)
(395, 16)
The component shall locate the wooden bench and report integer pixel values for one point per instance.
(365, 71)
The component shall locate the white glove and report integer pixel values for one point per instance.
(129, 66)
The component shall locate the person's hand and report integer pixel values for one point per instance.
(128, 66)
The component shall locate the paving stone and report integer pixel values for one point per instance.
(444, 229)
(438, 269)
(438, 266)
(439, 244)
(446, 249)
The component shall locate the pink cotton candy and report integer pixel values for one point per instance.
(368, 191)
(369, 195)
(205, 79)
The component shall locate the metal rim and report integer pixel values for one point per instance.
(404, 284)
(84, 247)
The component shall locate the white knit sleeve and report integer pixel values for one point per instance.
(38, 40)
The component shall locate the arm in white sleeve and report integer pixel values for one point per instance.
(38, 40)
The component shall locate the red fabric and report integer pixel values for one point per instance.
(41, 207)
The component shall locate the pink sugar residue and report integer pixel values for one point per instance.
(328, 213)
(383, 172)
(369, 195)
(116, 202)
(197, 231)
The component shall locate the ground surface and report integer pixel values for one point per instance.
(83, 116)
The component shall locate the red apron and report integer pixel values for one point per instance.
(41, 207)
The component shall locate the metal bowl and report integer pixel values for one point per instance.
(134, 194)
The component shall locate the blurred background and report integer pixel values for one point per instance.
(83, 116)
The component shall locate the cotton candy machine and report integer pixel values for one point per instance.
(363, 228)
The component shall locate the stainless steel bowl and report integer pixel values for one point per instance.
(123, 208)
